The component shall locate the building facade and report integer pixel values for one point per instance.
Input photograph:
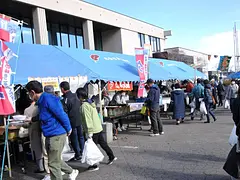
(200, 60)
(78, 24)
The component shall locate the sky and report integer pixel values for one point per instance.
(202, 25)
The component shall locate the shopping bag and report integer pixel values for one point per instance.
(203, 108)
(187, 100)
(91, 154)
(192, 105)
(233, 137)
(143, 110)
(226, 104)
(149, 120)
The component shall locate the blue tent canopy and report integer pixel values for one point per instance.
(44, 61)
(175, 69)
(108, 66)
(235, 75)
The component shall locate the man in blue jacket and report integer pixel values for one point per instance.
(55, 126)
(153, 105)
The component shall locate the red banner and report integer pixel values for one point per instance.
(142, 67)
(120, 86)
(8, 29)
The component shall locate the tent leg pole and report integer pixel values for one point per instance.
(8, 155)
(100, 100)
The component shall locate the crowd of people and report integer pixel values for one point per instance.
(210, 94)
(54, 119)
(75, 116)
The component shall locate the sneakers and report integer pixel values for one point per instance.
(111, 161)
(74, 174)
(178, 123)
(93, 168)
(157, 134)
(123, 128)
(153, 135)
(119, 129)
(47, 177)
(115, 138)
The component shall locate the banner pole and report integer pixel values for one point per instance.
(8, 154)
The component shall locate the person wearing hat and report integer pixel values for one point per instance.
(153, 105)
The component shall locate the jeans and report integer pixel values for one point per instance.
(54, 147)
(99, 139)
(156, 121)
(209, 111)
(77, 141)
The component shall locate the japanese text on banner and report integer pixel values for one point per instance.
(120, 86)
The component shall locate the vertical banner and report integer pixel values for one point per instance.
(142, 66)
(224, 63)
(8, 31)
(8, 28)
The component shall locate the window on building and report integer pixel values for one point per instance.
(141, 39)
(147, 39)
(158, 45)
(55, 35)
(79, 38)
(98, 41)
(64, 35)
(153, 43)
(27, 32)
(72, 37)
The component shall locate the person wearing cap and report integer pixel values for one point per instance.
(71, 106)
(153, 105)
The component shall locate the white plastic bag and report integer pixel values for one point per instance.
(203, 109)
(149, 120)
(187, 100)
(91, 154)
(66, 147)
(233, 137)
(192, 105)
(226, 104)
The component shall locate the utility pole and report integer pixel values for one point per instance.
(236, 49)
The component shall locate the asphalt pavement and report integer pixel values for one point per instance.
(190, 151)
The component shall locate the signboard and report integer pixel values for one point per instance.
(224, 63)
(51, 81)
(120, 86)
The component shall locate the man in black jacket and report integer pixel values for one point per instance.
(72, 105)
(153, 105)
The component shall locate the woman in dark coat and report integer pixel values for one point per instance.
(233, 160)
(177, 97)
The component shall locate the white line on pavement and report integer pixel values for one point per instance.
(126, 147)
